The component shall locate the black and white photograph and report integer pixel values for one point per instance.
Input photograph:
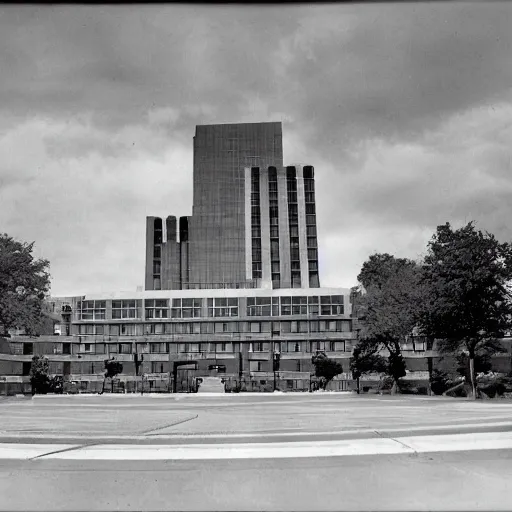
(256, 257)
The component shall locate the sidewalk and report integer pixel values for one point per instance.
(302, 449)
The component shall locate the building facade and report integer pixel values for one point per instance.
(232, 290)
(166, 340)
(253, 222)
(181, 335)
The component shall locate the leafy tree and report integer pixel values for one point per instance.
(112, 369)
(325, 368)
(24, 283)
(40, 375)
(389, 307)
(468, 274)
(365, 359)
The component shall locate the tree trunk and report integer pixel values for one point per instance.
(395, 390)
(472, 375)
(112, 385)
(103, 387)
(358, 388)
(430, 369)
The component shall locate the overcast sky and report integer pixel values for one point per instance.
(405, 111)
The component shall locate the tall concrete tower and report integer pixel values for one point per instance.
(253, 221)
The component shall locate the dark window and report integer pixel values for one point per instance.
(66, 348)
(309, 186)
(290, 173)
(292, 197)
(28, 349)
(308, 172)
(26, 368)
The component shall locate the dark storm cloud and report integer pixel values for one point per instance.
(350, 72)
(119, 62)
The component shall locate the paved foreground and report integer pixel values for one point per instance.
(255, 452)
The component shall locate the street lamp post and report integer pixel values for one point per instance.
(276, 359)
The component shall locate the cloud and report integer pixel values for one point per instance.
(403, 109)
(87, 213)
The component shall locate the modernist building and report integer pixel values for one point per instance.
(232, 290)
(183, 334)
(253, 222)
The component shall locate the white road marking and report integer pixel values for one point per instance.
(373, 446)
(29, 451)
(235, 451)
(459, 442)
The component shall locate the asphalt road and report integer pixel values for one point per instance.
(478, 480)
(253, 436)
(299, 415)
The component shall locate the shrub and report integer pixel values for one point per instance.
(440, 382)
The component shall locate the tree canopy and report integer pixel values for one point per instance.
(326, 368)
(379, 268)
(40, 374)
(112, 369)
(24, 284)
(468, 274)
(389, 307)
(366, 359)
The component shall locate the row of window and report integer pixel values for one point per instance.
(276, 328)
(210, 347)
(213, 348)
(216, 307)
(255, 224)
